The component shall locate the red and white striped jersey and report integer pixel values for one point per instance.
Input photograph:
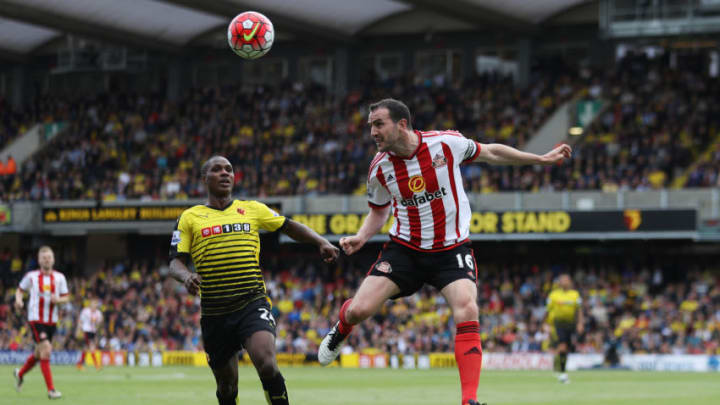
(41, 287)
(90, 319)
(431, 209)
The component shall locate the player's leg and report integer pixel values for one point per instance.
(261, 349)
(392, 275)
(45, 350)
(564, 338)
(92, 347)
(454, 273)
(30, 361)
(81, 361)
(461, 296)
(368, 299)
(226, 380)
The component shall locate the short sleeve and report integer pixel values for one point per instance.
(181, 240)
(267, 218)
(464, 150)
(378, 194)
(26, 282)
(62, 286)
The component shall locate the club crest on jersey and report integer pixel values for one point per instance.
(241, 211)
(384, 267)
(416, 184)
(439, 161)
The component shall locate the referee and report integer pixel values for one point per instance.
(564, 312)
(221, 238)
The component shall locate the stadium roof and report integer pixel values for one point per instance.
(27, 25)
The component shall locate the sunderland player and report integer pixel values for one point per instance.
(564, 313)
(221, 239)
(47, 289)
(416, 176)
(88, 322)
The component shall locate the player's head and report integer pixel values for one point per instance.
(94, 303)
(387, 119)
(565, 282)
(217, 173)
(46, 258)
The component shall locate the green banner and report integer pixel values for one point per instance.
(586, 112)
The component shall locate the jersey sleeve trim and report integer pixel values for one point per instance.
(376, 206)
(472, 158)
(281, 227)
(178, 255)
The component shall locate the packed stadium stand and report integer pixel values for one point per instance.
(632, 305)
(285, 140)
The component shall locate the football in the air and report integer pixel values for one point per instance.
(250, 34)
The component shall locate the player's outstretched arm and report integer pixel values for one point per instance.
(498, 154)
(373, 224)
(180, 272)
(302, 233)
(19, 299)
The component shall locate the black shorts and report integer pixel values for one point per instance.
(223, 335)
(89, 337)
(42, 331)
(410, 269)
(564, 333)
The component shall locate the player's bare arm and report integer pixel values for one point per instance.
(60, 299)
(302, 233)
(19, 299)
(580, 319)
(180, 272)
(372, 225)
(498, 154)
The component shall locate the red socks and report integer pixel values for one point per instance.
(45, 368)
(29, 364)
(82, 359)
(468, 355)
(344, 327)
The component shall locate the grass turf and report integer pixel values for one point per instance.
(325, 386)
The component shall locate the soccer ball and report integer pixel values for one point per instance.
(250, 34)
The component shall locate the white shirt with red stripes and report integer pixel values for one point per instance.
(41, 287)
(90, 319)
(429, 204)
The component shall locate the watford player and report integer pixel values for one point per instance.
(564, 312)
(221, 239)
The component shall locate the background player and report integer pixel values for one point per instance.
(47, 289)
(221, 238)
(419, 173)
(88, 322)
(564, 314)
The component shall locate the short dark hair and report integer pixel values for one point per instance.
(396, 109)
(206, 166)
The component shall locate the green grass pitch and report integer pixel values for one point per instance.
(326, 386)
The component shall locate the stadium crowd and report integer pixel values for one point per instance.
(291, 139)
(634, 308)
(295, 139)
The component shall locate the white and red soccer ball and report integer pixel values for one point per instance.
(250, 34)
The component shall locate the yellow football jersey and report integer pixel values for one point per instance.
(562, 305)
(225, 248)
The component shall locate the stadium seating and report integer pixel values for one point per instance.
(640, 309)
